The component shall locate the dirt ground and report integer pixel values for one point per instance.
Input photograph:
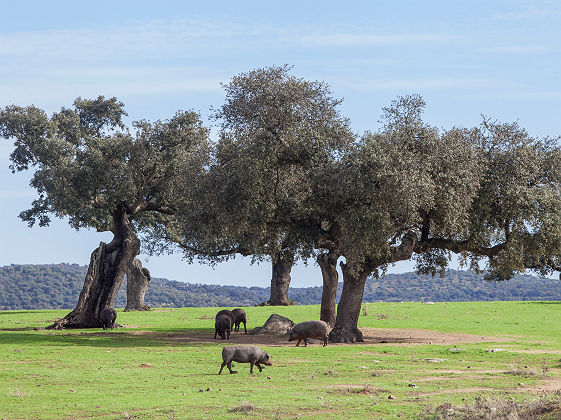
(371, 336)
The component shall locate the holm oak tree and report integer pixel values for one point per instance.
(95, 172)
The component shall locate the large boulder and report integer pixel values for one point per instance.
(275, 325)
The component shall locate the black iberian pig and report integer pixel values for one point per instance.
(222, 326)
(309, 329)
(227, 312)
(107, 318)
(244, 354)
(239, 317)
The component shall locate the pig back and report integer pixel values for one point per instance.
(243, 353)
(239, 315)
(223, 322)
(228, 313)
(311, 329)
(108, 315)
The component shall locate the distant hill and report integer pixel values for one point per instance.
(57, 286)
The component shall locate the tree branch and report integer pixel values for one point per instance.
(150, 206)
(220, 253)
(457, 247)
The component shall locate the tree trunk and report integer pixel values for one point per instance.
(328, 264)
(346, 325)
(280, 281)
(105, 276)
(138, 280)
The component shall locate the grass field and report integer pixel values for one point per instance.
(472, 357)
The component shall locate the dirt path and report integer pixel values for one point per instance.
(371, 336)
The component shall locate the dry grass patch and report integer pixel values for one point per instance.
(519, 368)
(350, 389)
(500, 408)
(244, 408)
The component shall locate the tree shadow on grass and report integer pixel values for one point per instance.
(101, 338)
(552, 302)
(27, 312)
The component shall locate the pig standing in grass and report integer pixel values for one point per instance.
(309, 329)
(228, 313)
(222, 326)
(107, 318)
(239, 317)
(244, 354)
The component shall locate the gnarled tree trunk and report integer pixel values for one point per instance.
(138, 281)
(346, 325)
(328, 264)
(105, 276)
(280, 281)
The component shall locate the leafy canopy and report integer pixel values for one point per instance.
(411, 191)
(275, 131)
(88, 163)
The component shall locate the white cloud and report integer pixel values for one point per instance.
(518, 49)
(158, 57)
(345, 39)
(517, 94)
(529, 13)
(159, 39)
(416, 85)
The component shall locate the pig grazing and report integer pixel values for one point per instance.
(244, 354)
(222, 326)
(239, 317)
(228, 313)
(107, 318)
(309, 329)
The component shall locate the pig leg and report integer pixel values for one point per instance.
(305, 342)
(244, 327)
(229, 365)
(324, 341)
(221, 367)
(215, 334)
(259, 366)
(251, 367)
(298, 343)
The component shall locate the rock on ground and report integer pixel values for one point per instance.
(275, 325)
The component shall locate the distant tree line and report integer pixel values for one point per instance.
(57, 286)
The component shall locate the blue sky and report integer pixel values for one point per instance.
(501, 59)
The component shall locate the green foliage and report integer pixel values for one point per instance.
(276, 130)
(88, 163)
(411, 191)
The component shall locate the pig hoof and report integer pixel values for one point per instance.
(234, 371)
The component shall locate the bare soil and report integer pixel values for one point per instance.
(371, 336)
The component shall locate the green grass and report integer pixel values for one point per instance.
(150, 370)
